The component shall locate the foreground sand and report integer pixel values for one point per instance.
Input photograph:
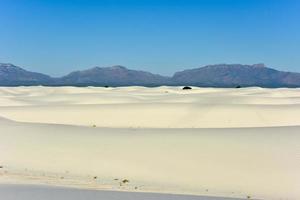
(38, 192)
(160, 139)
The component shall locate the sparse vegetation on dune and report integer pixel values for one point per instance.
(187, 88)
(125, 181)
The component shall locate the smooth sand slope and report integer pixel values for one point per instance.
(155, 138)
(163, 107)
(33, 192)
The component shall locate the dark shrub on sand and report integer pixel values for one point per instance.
(125, 181)
(186, 88)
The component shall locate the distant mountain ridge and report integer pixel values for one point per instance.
(112, 76)
(11, 75)
(225, 75)
(220, 75)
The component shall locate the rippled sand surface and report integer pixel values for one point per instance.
(205, 141)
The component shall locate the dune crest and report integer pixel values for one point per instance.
(162, 107)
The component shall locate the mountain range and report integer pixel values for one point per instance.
(220, 75)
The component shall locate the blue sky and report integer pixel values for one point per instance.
(56, 36)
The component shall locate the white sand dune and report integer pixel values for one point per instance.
(163, 107)
(155, 137)
(37, 192)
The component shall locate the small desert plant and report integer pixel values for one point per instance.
(125, 181)
(186, 88)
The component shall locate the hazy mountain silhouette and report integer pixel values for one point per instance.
(221, 75)
(112, 76)
(11, 75)
(230, 75)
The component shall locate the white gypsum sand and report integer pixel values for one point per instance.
(38, 192)
(162, 107)
(160, 139)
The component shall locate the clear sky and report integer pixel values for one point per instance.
(161, 36)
